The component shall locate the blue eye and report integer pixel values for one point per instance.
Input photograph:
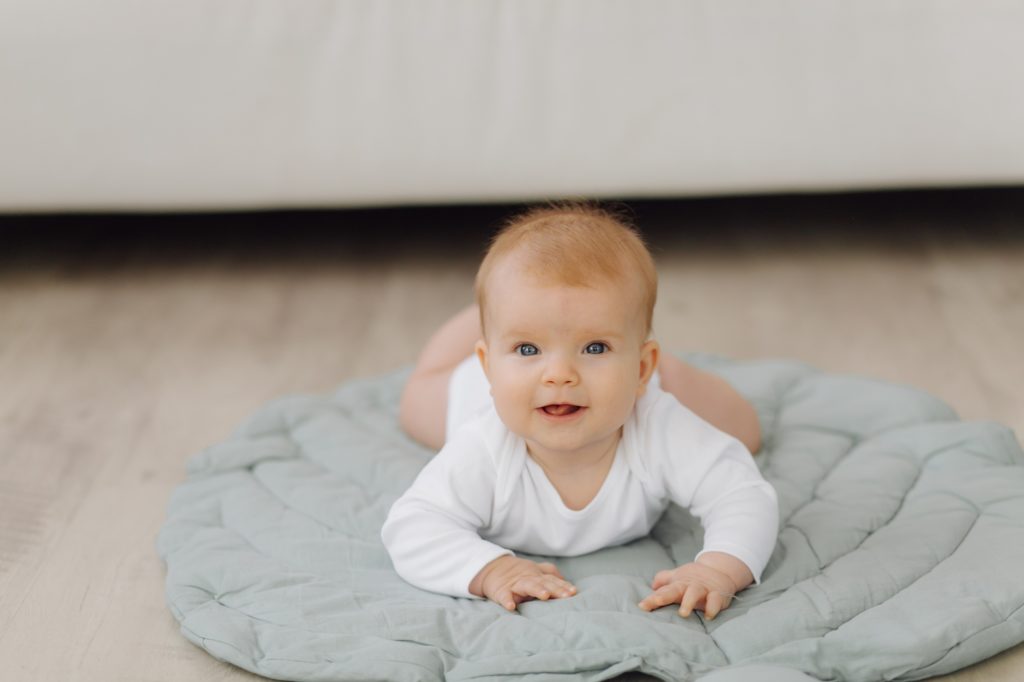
(527, 349)
(596, 348)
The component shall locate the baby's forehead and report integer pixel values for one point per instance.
(518, 267)
(509, 283)
(512, 305)
(591, 263)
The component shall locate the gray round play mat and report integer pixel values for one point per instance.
(900, 551)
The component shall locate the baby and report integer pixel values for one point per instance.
(560, 439)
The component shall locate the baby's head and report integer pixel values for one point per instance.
(566, 298)
(574, 245)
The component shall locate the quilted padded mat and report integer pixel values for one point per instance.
(899, 554)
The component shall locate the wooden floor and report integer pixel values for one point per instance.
(127, 344)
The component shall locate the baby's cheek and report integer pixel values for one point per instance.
(510, 409)
(624, 405)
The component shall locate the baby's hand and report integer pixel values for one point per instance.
(707, 585)
(509, 581)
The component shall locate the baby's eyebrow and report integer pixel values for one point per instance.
(584, 335)
(517, 334)
(602, 335)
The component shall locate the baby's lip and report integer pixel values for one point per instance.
(560, 409)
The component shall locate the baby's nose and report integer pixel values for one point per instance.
(560, 372)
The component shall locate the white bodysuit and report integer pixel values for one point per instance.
(482, 495)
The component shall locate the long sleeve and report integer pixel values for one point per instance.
(432, 531)
(713, 474)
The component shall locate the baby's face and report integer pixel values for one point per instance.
(565, 364)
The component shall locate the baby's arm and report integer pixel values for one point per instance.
(743, 524)
(433, 534)
(713, 475)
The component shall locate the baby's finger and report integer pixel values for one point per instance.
(694, 593)
(668, 594)
(504, 597)
(527, 588)
(550, 569)
(662, 578)
(713, 605)
(559, 588)
(538, 587)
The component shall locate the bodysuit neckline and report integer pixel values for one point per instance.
(538, 474)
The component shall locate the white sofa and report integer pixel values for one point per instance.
(238, 104)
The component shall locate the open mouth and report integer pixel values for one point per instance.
(561, 409)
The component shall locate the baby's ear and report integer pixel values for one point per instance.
(649, 354)
(481, 354)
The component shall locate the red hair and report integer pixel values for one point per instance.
(574, 244)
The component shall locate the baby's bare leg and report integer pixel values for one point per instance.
(424, 402)
(712, 399)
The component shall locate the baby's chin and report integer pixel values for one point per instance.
(569, 443)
